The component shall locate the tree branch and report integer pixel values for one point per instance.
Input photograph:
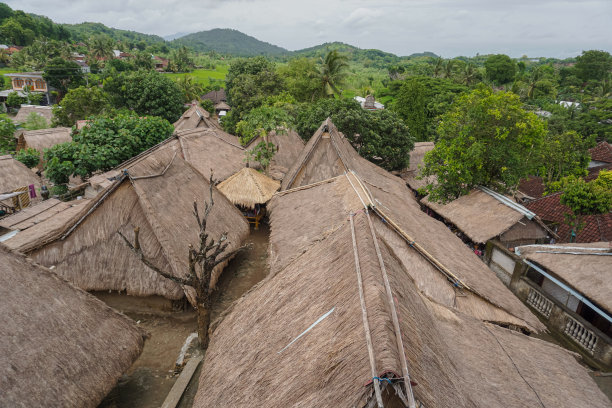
(232, 253)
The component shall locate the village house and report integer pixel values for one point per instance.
(219, 99)
(161, 64)
(155, 193)
(42, 139)
(376, 303)
(568, 285)
(46, 112)
(369, 103)
(18, 185)
(31, 80)
(59, 346)
(288, 146)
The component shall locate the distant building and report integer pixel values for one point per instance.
(215, 96)
(369, 103)
(20, 81)
(84, 67)
(161, 64)
(601, 155)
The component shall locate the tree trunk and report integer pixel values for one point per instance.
(203, 323)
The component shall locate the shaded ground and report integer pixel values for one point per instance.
(149, 380)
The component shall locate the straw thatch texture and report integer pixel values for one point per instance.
(588, 273)
(14, 174)
(250, 351)
(289, 145)
(410, 175)
(249, 187)
(41, 220)
(157, 196)
(194, 117)
(43, 138)
(294, 228)
(203, 148)
(481, 217)
(59, 346)
(22, 116)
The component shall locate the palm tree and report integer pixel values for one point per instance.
(438, 67)
(332, 72)
(448, 68)
(469, 73)
(191, 89)
(101, 47)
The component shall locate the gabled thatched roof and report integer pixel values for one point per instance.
(482, 217)
(194, 117)
(59, 346)
(249, 187)
(25, 111)
(40, 220)
(289, 145)
(411, 174)
(582, 266)
(43, 139)
(156, 194)
(14, 174)
(298, 338)
(203, 148)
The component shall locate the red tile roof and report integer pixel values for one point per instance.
(602, 152)
(532, 186)
(596, 228)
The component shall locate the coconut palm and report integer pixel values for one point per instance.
(101, 47)
(191, 89)
(332, 72)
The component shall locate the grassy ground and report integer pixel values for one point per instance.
(204, 76)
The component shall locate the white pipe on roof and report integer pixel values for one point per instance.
(507, 202)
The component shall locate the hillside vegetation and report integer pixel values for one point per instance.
(227, 41)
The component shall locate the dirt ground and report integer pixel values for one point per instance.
(149, 380)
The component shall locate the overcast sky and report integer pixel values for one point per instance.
(553, 28)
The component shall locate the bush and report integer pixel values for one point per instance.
(29, 157)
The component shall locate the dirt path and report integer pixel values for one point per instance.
(149, 380)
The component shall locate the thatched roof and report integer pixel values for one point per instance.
(25, 110)
(215, 96)
(194, 117)
(289, 145)
(203, 148)
(297, 339)
(482, 217)
(249, 187)
(156, 194)
(14, 174)
(45, 218)
(580, 265)
(43, 139)
(222, 106)
(59, 346)
(411, 174)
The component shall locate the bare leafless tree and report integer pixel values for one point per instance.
(202, 261)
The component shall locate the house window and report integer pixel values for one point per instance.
(534, 276)
(18, 83)
(30, 84)
(40, 84)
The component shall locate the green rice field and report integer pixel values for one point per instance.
(203, 76)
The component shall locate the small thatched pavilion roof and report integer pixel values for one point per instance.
(155, 193)
(194, 117)
(59, 346)
(43, 139)
(483, 217)
(45, 218)
(14, 174)
(203, 148)
(411, 174)
(298, 338)
(289, 145)
(581, 266)
(25, 110)
(249, 187)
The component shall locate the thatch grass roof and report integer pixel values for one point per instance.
(289, 145)
(25, 110)
(253, 349)
(59, 346)
(482, 217)
(14, 174)
(156, 194)
(411, 174)
(203, 148)
(579, 266)
(249, 187)
(43, 139)
(40, 220)
(194, 117)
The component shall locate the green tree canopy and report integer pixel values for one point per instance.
(594, 65)
(485, 139)
(35, 121)
(103, 144)
(301, 76)
(7, 129)
(80, 103)
(63, 75)
(565, 154)
(333, 72)
(146, 93)
(500, 68)
(379, 136)
(29, 157)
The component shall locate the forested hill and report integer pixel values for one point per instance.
(228, 41)
(83, 31)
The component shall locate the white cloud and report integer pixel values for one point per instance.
(448, 27)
